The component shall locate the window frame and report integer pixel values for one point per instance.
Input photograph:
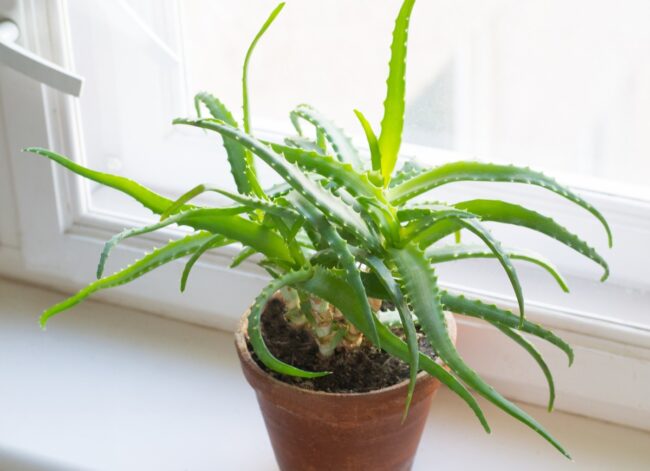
(60, 235)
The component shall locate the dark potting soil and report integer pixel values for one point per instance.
(361, 369)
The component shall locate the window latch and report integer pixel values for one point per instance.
(32, 65)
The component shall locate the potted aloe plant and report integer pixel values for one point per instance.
(351, 337)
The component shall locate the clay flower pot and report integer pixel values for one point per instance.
(314, 430)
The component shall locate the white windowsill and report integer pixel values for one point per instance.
(111, 388)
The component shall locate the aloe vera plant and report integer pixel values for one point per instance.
(343, 234)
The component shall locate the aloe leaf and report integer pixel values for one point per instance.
(213, 242)
(500, 211)
(255, 332)
(365, 323)
(459, 304)
(420, 286)
(537, 356)
(424, 221)
(326, 166)
(326, 202)
(341, 144)
(501, 255)
(393, 289)
(246, 201)
(335, 290)
(237, 228)
(408, 170)
(452, 253)
(304, 144)
(241, 256)
(369, 199)
(241, 165)
(392, 123)
(500, 317)
(478, 171)
(149, 199)
(246, 107)
(136, 231)
(373, 143)
(172, 251)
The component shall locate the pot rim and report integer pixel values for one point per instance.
(241, 336)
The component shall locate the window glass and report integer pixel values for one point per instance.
(561, 86)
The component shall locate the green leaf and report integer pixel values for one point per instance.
(254, 328)
(409, 169)
(241, 165)
(330, 205)
(501, 255)
(213, 242)
(237, 228)
(373, 143)
(420, 286)
(335, 290)
(172, 251)
(149, 199)
(508, 213)
(537, 356)
(248, 202)
(241, 256)
(304, 143)
(341, 144)
(478, 171)
(392, 123)
(326, 166)
(450, 253)
(365, 323)
(392, 288)
(499, 317)
(247, 120)
(136, 231)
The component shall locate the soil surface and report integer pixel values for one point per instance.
(361, 369)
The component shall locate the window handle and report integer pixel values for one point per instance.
(32, 65)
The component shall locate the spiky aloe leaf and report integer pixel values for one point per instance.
(304, 143)
(475, 308)
(500, 317)
(409, 170)
(495, 246)
(478, 171)
(172, 251)
(341, 144)
(336, 291)
(246, 201)
(343, 174)
(347, 261)
(450, 253)
(392, 288)
(242, 256)
(136, 231)
(425, 217)
(368, 197)
(245, 105)
(373, 143)
(241, 166)
(326, 202)
(149, 199)
(237, 228)
(420, 286)
(392, 123)
(500, 211)
(537, 356)
(213, 242)
(254, 328)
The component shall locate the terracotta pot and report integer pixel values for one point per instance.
(313, 430)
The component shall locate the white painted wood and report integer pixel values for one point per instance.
(106, 388)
